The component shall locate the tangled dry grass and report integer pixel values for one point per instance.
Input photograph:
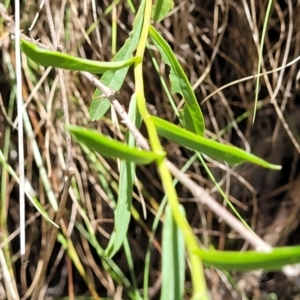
(217, 43)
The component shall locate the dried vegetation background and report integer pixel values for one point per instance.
(217, 43)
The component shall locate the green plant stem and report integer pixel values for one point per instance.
(155, 225)
(197, 273)
(260, 54)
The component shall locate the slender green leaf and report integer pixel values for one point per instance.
(111, 148)
(50, 58)
(228, 153)
(193, 118)
(114, 80)
(161, 9)
(68, 245)
(131, 6)
(122, 211)
(251, 260)
(260, 54)
(173, 258)
(108, 264)
(99, 107)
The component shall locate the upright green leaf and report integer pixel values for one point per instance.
(193, 118)
(122, 210)
(114, 80)
(161, 9)
(228, 153)
(173, 258)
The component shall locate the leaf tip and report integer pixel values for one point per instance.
(275, 167)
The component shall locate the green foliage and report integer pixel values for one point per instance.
(177, 233)
(49, 58)
(192, 116)
(230, 154)
(251, 260)
(111, 148)
(260, 54)
(127, 175)
(114, 80)
(161, 8)
(108, 264)
(173, 260)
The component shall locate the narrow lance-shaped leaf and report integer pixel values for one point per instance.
(193, 118)
(251, 260)
(228, 153)
(173, 258)
(51, 58)
(115, 79)
(127, 175)
(111, 148)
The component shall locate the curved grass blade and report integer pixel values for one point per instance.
(111, 148)
(251, 260)
(260, 55)
(50, 58)
(173, 259)
(122, 210)
(192, 116)
(108, 264)
(228, 153)
(68, 245)
(114, 80)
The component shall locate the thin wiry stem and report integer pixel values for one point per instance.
(36, 16)
(20, 132)
(110, 94)
(40, 287)
(62, 86)
(9, 282)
